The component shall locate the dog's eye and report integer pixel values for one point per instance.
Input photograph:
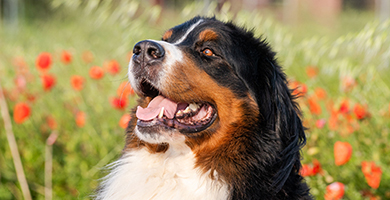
(208, 52)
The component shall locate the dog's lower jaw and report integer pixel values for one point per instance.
(163, 136)
(139, 174)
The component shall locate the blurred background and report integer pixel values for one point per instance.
(63, 74)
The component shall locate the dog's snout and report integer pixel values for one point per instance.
(146, 51)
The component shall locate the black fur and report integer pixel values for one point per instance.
(247, 64)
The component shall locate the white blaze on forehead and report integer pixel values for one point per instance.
(188, 32)
(172, 55)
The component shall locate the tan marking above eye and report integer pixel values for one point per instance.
(208, 52)
(167, 34)
(208, 35)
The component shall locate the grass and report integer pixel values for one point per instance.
(358, 50)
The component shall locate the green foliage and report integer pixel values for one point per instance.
(109, 30)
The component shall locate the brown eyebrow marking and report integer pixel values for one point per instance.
(167, 34)
(208, 35)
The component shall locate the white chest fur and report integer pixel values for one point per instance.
(171, 175)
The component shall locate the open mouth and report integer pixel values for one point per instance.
(188, 117)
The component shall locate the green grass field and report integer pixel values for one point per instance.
(350, 63)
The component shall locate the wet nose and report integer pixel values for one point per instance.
(147, 51)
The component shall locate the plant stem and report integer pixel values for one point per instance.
(48, 171)
(14, 147)
(49, 165)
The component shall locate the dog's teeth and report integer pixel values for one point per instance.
(193, 106)
(161, 114)
(187, 110)
(179, 113)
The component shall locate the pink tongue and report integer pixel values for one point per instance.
(154, 109)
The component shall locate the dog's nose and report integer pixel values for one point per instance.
(146, 51)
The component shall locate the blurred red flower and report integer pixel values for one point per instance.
(299, 89)
(311, 71)
(320, 123)
(112, 67)
(311, 169)
(124, 120)
(48, 81)
(124, 90)
(20, 82)
(43, 61)
(118, 103)
(80, 118)
(344, 106)
(77, 82)
(30, 97)
(66, 57)
(96, 72)
(51, 122)
(360, 111)
(314, 106)
(87, 56)
(372, 173)
(320, 93)
(342, 152)
(21, 112)
(334, 191)
(348, 83)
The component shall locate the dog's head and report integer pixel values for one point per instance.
(217, 89)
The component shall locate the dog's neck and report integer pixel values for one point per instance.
(140, 174)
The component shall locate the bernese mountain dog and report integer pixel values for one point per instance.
(215, 120)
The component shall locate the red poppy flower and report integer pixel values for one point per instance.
(51, 122)
(348, 83)
(66, 57)
(334, 191)
(118, 103)
(320, 123)
(333, 120)
(112, 67)
(43, 61)
(372, 173)
(311, 169)
(299, 89)
(124, 90)
(306, 170)
(77, 82)
(320, 93)
(124, 120)
(80, 118)
(21, 112)
(87, 56)
(48, 81)
(20, 82)
(342, 152)
(360, 111)
(314, 106)
(311, 71)
(344, 106)
(30, 97)
(96, 72)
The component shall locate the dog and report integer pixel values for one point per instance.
(215, 120)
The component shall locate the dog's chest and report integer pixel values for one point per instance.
(170, 175)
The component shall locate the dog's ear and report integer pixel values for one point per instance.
(284, 120)
(279, 119)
